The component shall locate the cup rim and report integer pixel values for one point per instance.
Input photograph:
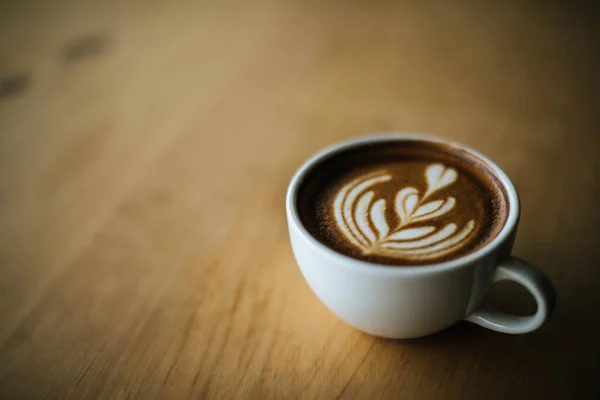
(354, 263)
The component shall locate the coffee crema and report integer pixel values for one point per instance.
(404, 203)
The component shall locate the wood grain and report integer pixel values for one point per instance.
(143, 164)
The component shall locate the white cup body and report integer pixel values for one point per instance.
(391, 301)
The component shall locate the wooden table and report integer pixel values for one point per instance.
(145, 150)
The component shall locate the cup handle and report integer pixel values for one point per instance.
(538, 284)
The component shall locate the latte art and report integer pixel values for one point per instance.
(363, 222)
(405, 204)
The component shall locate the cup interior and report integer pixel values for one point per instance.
(329, 154)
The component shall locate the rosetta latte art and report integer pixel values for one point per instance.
(362, 218)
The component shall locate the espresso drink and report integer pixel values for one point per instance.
(405, 203)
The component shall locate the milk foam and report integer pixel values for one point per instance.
(361, 217)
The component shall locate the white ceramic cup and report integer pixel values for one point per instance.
(408, 302)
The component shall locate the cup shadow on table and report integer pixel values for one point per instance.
(563, 355)
(553, 362)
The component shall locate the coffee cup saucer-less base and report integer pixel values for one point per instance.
(409, 302)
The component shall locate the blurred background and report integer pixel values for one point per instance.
(145, 149)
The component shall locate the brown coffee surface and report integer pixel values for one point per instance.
(403, 203)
